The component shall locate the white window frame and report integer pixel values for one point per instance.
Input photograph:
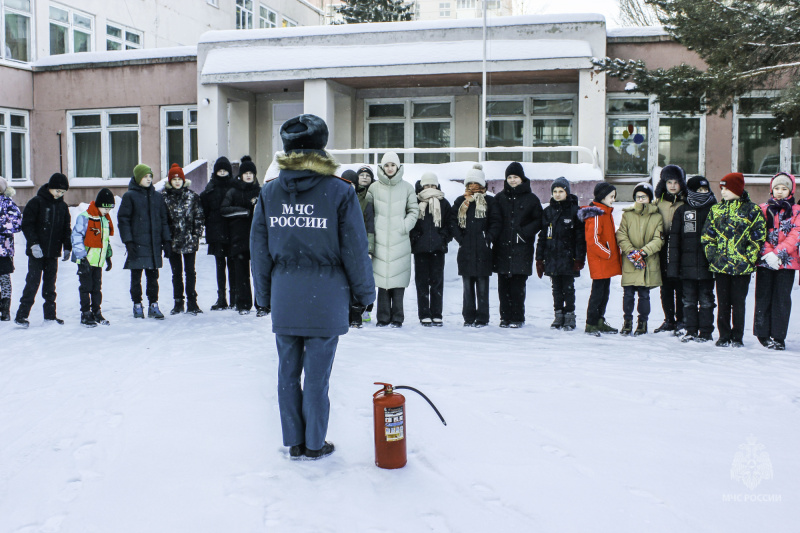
(105, 145)
(785, 144)
(187, 134)
(653, 114)
(408, 121)
(71, 27)
(264, 22)
(214, 3)
(123, 41)
(528, 115)
(31, 28)
(286, 22)
(444, 9)
(8, 129)
(466, 4)
(242, 12)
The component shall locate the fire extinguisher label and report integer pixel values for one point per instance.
(393, 421)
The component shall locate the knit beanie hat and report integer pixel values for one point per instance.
(601, 190)
(175, 171)
(645, 188)
(560, 182)
(58, 181)
(105, 198)
(476, 175)
(351, 176)
(3, 185)
(223, 163)
(695, 182)
(515, 169)
(734, 182)
(247, 165)
(304, 132)
(429, 178)
(779, 179)
(390, 157)
(367, 170)
(140, 171)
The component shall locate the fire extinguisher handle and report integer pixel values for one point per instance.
(426, 399)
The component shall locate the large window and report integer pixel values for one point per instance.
(539, 121)
(444, 9)
(244, 14)
(418, 123)
(16, 44)
(14, 129)
(267, 17)
(119, 37)
(757, 149)
(103, 144)
(70, 31)
(178, 136)
(286, 22)
(677, 126)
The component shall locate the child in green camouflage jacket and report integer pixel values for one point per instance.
(733, 235)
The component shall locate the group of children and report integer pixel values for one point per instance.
(677, 237)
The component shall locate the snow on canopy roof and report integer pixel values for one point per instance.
(638, 31)
(116, 56)
(267, 60)
(381, 27)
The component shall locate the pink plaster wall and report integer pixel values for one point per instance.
(16, 88)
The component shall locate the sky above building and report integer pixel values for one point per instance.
(607, 8)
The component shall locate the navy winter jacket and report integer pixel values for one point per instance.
(308, 247)
(142, 220)
(46, 222)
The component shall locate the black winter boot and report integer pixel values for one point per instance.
(641, 327)
(178, 309)
(325, 451)
(627, 327)
(558, 322)
(100, 319)
(569, 322)
(5, 309)
(667, 325)
(87, 319)
(221, 304)
(154, 312)
(192, 308)
(261, 311)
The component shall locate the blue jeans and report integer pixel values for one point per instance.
(304, 410)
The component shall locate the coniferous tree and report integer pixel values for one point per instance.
(746, 45)
(355, 11)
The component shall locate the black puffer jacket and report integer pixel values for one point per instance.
(686, 257)
(474, 241)
(238, 209)
(46, 222)
(217, 227)
(426, 238)
(185, 216)
(518, 218)
(562, 240)
(142, 220)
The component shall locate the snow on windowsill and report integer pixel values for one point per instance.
(115, 56)
(80, 183)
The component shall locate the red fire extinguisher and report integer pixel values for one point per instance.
(390, 425)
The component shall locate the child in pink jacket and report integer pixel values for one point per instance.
(778, 261)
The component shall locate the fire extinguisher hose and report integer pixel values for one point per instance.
(426, 399)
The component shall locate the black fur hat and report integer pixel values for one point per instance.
(671, 172)
(247, 165)
(304, 132)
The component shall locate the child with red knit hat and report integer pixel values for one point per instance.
(734, 232)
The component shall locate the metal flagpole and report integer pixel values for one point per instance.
(483, 86)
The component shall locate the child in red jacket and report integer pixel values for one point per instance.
(603, 254)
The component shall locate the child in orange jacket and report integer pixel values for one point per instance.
(603, 254)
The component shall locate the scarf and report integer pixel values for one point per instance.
(700, 199)
(431, 197)
(781, 208)
(94, 230)
(476, 193)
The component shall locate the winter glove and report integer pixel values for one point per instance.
(636, 258)
(577, 266)
(67, 253)
(131, 249)
(84, 267)
(108, 264)
(772, 260)
(167, 247)
(36, 251)
(540, 269)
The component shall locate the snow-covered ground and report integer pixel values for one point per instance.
(172, 426)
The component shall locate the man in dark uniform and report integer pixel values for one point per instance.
(310, 263)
